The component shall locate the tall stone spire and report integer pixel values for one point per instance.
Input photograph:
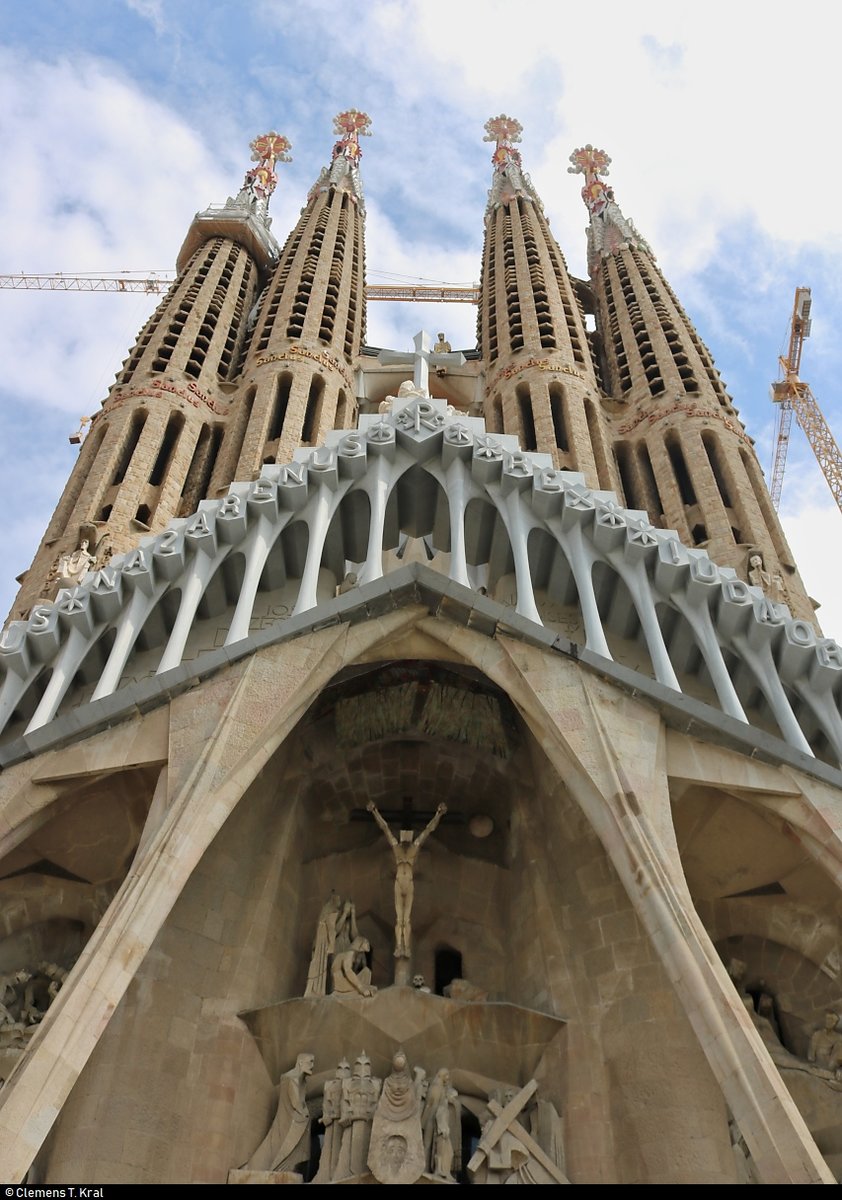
(152, 452)
(541, 380)
(682, 452)
(311, 319)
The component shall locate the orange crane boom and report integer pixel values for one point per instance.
(792, 395)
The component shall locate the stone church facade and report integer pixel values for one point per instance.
(418, 767)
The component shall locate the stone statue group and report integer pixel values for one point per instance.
(338, 959)
(405, 1127)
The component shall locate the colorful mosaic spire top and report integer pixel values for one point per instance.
(505, 131)
(592, 163)
(261, 181)
(609, 230)
(509, 179)
(350, 126)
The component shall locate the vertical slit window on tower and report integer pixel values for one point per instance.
(237, 435)
(656, 504)
(198, 475)
(166, 450)
(310, 425)
(527, 417)
(557, 409)
(132, 438)
(597, 444)
(679, 466)
(712, 451)
(626, 468)
(279, 406)
(341, 421)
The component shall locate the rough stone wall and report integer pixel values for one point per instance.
(582, 953)
(177, 1087)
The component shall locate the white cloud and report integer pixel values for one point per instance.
(98, 177)
(151, 11)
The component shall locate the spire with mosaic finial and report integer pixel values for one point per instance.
(343, 172)
(261, 181)
(509, 180)
(609, 230)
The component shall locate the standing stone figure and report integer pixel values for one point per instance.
(74, 564)
(405, 850)
(333, 1096)
(436, 1092)
(758, 576)
(335, 931)
(442, 1133)
(448, 1130)
(287, 1144)
(826, 1044)
(397, 1144)
(359, 1102)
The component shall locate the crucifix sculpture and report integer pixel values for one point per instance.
(405, 849)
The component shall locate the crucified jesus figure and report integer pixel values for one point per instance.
(405, 849)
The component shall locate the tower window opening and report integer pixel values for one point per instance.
(557, 410)
(341, 420)
(310, 426)
(279, 406)
(201, 466)
(237, 436)
(699, 534)
(130, 445)
(625, 466)
(597, 445)
(167, 449)
(712, 451)
(656, 503)
(527, 417)
(448, 966)
(682, 475)
(144, 515)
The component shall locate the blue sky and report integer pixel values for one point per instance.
(120, 118)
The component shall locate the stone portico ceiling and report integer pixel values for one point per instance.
(480, 510)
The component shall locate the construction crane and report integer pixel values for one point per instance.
(154, 284)
(792, 395)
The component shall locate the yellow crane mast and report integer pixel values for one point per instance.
(793, 395)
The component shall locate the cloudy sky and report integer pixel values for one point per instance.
(121, 118)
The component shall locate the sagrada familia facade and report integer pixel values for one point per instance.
(418, 767)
